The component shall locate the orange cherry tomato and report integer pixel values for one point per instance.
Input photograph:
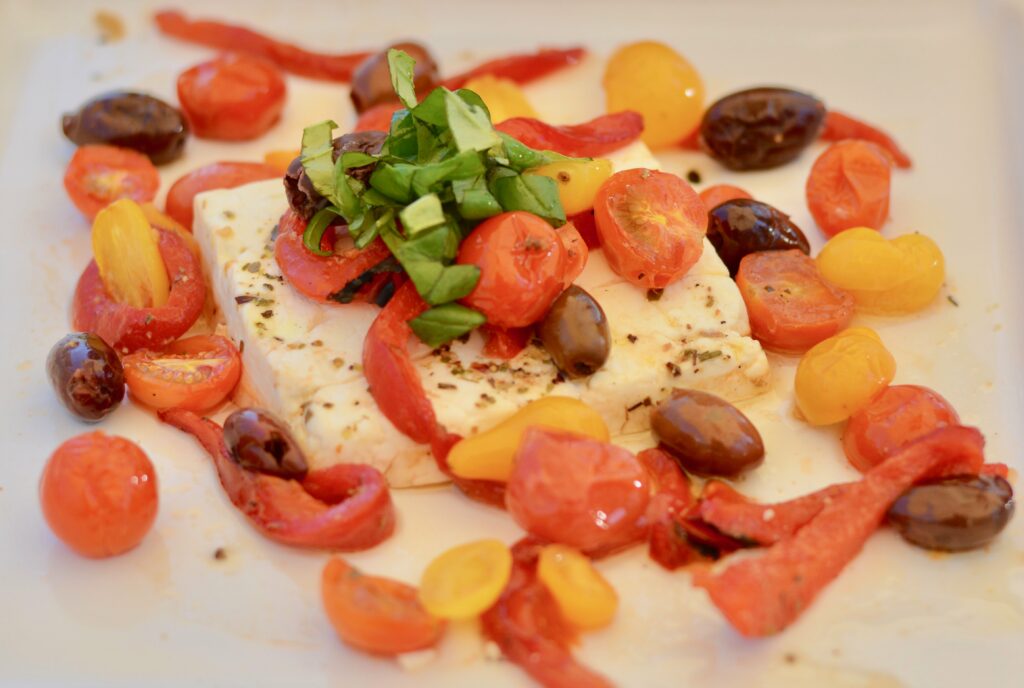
(374, 614)
(232, 97)
(849, 187)
(522, 268)
(720, 193)
(576, 251)
(218, 175)
(195, 373)
(651, 225)
(99, 494)
(791, 306)
(99, 175)
(898, 416)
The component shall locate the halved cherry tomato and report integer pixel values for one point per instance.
(720, 193)
(849, 187)
(98, 494)
(377, 118)
(503, 342)
(584, 597)
(897, 417)
(466, 580)
(791, 306)
(232, 97)
(576, 252)
(375, 614)
(195, 373)
(652, 226)
(217, 175)
(522, 268)
(99, 175)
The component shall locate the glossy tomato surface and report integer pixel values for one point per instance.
(217, 175)
(98, 175)
(196, 373)
(849, 187)
(232, 97)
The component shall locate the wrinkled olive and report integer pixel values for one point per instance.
(371, 81)
(575, 333)
(743, 225)
(303, 198)
(130, 120)
(761, 127)
(953, 514)
(260, 442)
(86, 374)
(706, 435)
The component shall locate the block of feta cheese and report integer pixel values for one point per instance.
(302, 359)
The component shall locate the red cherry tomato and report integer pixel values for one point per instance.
(232, 97)
(576, 251)
(790, 304)
(99, 175)
(849, 187)
(196, 373)
(522, 268)
(652, 226)
(720, 193)
(897, 417)
(377, 118)
(98, 494)
(218, 175)
(577, 491)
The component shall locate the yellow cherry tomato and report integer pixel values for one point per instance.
(659, 83)
(128, 256)
(466, 580)
(503, 97)
(888, 277)
(578, 181)
(280, 159)
(160, 220)
(488, 455)
(841, 375)
(584, 597)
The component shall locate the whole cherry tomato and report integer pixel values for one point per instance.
(232, 97)
(99, 175)
(849, 187)
(98, 494)
(522, 268)
(195, 373)
(217, 175)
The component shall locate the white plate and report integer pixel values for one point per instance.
(943, 77)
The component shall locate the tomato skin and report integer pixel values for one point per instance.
(897, 417)
(99, 494)
(849, 187)
(127, 328)
(522, 268)
(160, 386)
(651, 225)
(791, 306)
(576, 252)
(377, 118)
(217, 175)
(720, 193)
(98, 175)
(232, 97)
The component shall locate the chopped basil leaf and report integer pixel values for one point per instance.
(403, 68)
(315, 229)
(522, 157)
(318, 157)
(402, 142)
(465, 165)
(470, 125)
(444, 323)
(394, 181)
(454, 282)
(351, 159)
(423, 213)
(432, 110)
(474, 201)
(533, 193)
(473, 98)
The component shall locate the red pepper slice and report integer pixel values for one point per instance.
(521, 68)
(839, 126)
(505, 342)
(595, 138)
(527, 626)
(127, 328)
(287, 56)
(345, 507)
(763, 595)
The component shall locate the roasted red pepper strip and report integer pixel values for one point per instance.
(287, 56)
(670, 503)
(591, 139)
(527, 626)
(763, 595)
(839, 126)
(521, 68)
(345, 507)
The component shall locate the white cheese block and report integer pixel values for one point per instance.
(302, 359)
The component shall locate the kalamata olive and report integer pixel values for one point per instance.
(371, 81)
(953, 514)
(706, 435)
(86, 374)
(302, 197)
(260, 442)
(575, 333)
(743, 225)
(130, 120)
(761, 127)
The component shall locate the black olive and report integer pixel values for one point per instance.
(743, 225)
(575, 333)
(303, 198)
(86, 374)
(130, 120)
(371, 81)
(260, 442)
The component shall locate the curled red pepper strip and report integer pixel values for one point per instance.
(839, 126)
(595, 138)
(345, 507)
(521, 68)
(287, 56)
(763, 595)
(526, 624)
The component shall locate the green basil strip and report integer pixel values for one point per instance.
(403, 68)
(315, 229)
(533, 193)
(432, 109)
(402, 142)
(465, 165)
(454, 282)
(318, 156)
(522, 157)
(470, 125)
(423, 213)
(344, 196)
(394, 181)
(474, 201)
(472, 98)
(352, 159)
(442, 324)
